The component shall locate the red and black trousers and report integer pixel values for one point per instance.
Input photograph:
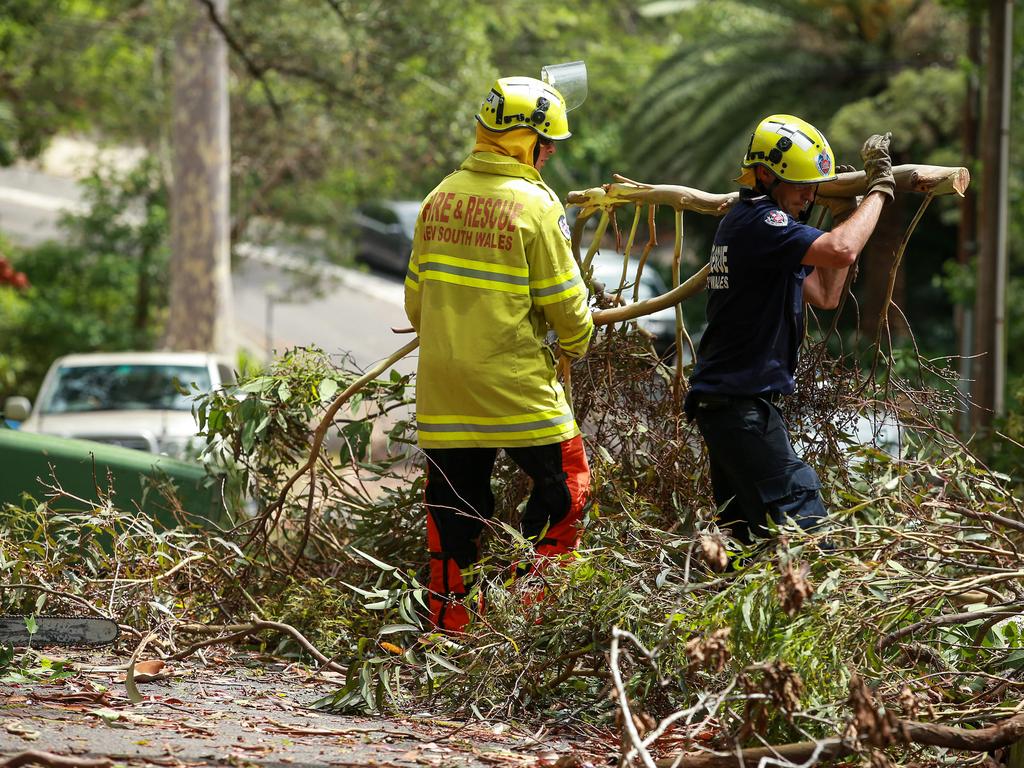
(460, 502)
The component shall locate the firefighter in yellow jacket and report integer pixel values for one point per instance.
(491, 272)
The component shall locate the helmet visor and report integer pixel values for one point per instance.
(569, 79)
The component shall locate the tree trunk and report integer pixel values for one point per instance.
(989, 346)
(967, 242)
(875, 265)
(200, 281)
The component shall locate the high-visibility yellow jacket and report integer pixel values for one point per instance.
(491, 271)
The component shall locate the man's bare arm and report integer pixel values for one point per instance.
(834, 253)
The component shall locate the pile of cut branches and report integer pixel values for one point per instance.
(893, 635)
(660, 618)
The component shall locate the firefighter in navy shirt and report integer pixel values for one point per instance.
(765, 265)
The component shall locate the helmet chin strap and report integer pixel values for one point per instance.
(767, 190)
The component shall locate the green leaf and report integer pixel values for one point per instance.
(379, 563)
(360, 590)
(328, 388)
(746, 609)
(248, 436)
(390, 629)
(357, 436)
(443, 662)
(30, 624)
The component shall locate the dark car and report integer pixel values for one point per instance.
(384, 231)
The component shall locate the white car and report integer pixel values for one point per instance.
(661, 324)
(139, 400)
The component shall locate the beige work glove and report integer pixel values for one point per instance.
(878, 165)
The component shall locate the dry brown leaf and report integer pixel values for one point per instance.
(794, 587)
(714, 552)
(875, 725)
(150, 667)
(18, 728)
(710, 651)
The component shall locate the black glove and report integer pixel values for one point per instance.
(846, 168)
(878, 165)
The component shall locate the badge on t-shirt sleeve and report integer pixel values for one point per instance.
(776, 218)
(564, 226)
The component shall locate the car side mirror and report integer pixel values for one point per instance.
(17, 408)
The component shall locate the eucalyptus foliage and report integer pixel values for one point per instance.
(761, 643)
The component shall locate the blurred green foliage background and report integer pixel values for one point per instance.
(338, 101)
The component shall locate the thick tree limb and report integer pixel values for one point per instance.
(968, 739)
(928, 734)
(934, 179)
(803, 752)
(677, 197)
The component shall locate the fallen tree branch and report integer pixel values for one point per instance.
(628, 724)
(255, 625)
(1001, 734)
(926, 179)
(808, 752)
(691, 287)
(51, 760)
(803, 752)
(325, 423)
(996, 611)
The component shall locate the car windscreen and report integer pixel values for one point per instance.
(408, 212)
(124, 388)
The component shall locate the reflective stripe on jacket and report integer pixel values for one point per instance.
(491, 271)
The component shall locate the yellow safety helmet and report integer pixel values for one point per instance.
(792, 149)
(523, 102)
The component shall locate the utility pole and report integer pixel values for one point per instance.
(967, 236)
(200, 314)
(989, 391)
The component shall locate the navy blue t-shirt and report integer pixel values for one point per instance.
(755, 309)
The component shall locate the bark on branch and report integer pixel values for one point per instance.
(798, 753)
(996, 611)
(228, 632)
(927, 734)
(935, 179)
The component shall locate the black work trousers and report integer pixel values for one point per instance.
(460, 502)
(755, 473)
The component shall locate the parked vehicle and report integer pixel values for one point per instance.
(385, 229)
(662, 324)
(140, 400)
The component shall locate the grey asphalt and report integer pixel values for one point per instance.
(245, 711)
